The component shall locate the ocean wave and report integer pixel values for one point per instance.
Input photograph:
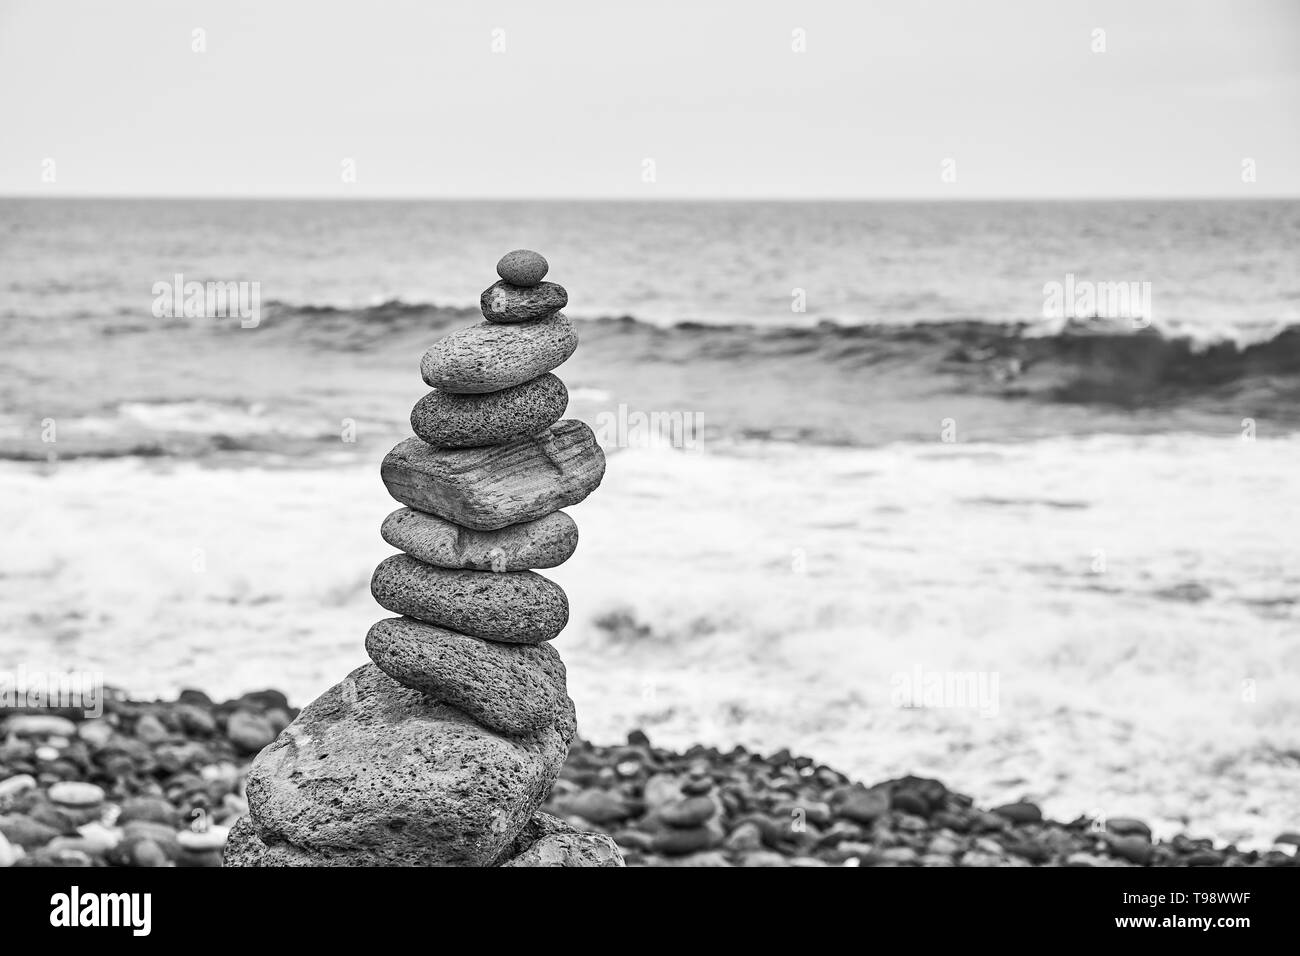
(823, 384)
(1167, 352)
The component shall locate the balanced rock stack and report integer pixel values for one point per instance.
(442, 750)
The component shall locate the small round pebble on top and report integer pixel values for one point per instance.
(522, 267)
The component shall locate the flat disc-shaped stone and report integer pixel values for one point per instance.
(451, 420)
(516, 608)
(489, 357)
(505, 303)
(547, 542)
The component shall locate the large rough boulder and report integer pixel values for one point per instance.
(374, 773)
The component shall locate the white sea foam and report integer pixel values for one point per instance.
(767, 597)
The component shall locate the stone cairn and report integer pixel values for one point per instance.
(441, 751)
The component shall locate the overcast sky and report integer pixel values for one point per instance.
(713, 93)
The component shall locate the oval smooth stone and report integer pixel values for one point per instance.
(74, 793)
(506, 303)
(488, 357)
(516, 608)
(489, 488)
(522, 267)
(449, 420)
(545, 543)
(513, 688)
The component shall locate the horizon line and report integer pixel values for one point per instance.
(321, 197)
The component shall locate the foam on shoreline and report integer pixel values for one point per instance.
(788, 588)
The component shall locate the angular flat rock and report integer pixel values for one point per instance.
(519, 607)
(549, 841)
(505, 303)
(489, 357)
(513, 688)
(544, 543)
(489, 488)
(451, 420)
(372, 773)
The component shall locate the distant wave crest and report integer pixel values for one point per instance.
(1077, 361)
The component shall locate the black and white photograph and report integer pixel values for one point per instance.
(688, 435)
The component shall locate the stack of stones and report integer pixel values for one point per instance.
(442, 750)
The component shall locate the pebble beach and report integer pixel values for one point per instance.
(161, 783)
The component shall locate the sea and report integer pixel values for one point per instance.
(1002, 493)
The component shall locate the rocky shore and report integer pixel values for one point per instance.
(161, 783)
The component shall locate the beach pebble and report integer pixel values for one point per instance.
(558, 844)
(68, 854)
(263, 700)
(249, 732)
(97, 838)
(943, 845)
(151, 729)
(152, 809)
(513, 688)
(520, 607)
(212, 837)
(370, 752)
(598, 806)
(1022, 812)
(9, 853)
(489, 357)
(899, 854)
(1028, 849)
(144, 852)
(1135, 849)
(25, 832)
(504, 303)
(38, 725)
(522, 267)
(660, 790)
(691, 812)
(195, 721)
(864, 806)
(96, 732)
(162, 835)
(544, 543)
(745, 837)
(12, 786)
(1126, 826)
(907, 801)
(489, 488)
(678, 841)
(71, 793)
(450, 420)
